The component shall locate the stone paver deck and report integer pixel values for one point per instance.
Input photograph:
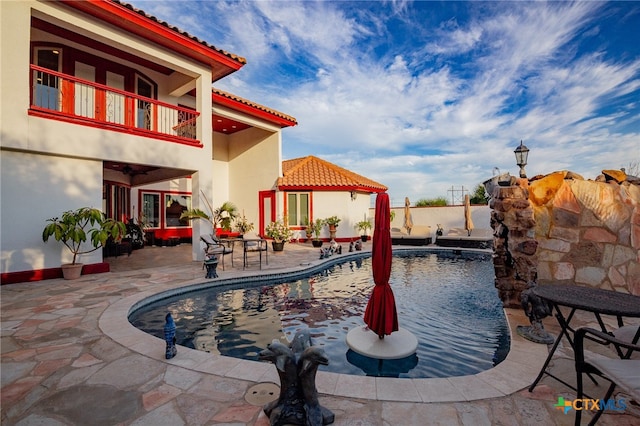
(70, 357)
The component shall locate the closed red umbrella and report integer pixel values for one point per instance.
(381, 315)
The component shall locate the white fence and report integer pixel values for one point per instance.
(448, 217)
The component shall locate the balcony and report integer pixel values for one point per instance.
(67, 98)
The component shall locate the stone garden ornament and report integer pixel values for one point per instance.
(536, 309)
(297, 365)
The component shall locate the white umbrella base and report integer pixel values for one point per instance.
(399, 344)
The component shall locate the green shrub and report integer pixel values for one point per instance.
(431, 202)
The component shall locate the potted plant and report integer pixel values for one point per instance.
(280, 233)
(243, 225)
(308, 228)
(317, 229)
(72, 230)
(223, 216)
(362, 226)
(332, 222)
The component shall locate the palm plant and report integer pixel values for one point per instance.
(223, 215)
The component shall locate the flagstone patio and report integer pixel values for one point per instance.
(70, 357)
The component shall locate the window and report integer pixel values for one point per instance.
(174, 206)
(116, 201)
(298, 208)
(46, 92)
(151, 209)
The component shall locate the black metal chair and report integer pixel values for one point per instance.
(216, 248)
(621, 372)
(252, 244)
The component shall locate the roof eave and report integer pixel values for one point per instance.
(136, 23)
(254, 111)
(334, 188)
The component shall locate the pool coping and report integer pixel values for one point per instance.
(516, 372)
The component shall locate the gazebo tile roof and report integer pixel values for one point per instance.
(312, 172)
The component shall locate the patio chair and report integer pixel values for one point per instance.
(621, 372)
(252, 244)
(216, 248)
(628, 334)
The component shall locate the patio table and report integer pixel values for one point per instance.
(597, 301)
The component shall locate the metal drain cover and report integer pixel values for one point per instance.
(262, 393)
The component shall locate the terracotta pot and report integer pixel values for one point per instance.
(277, 246)
(332, 232)
(71, 271)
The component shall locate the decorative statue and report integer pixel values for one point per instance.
(350, 246)
(358, 245)
(170, 337)
(324, 253)
(297, 365)
(211, 263)
(334, 248)
(316, 414)
(289, 407)
(536, 309)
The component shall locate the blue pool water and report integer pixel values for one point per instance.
(448, 301)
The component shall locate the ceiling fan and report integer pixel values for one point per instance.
(128, 170)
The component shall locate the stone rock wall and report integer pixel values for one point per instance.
(588, 232)
(563, 229)
(515, 259)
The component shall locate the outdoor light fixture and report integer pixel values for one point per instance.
(522, 152)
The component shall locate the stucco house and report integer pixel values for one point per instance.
(100, 99)
(313, 188)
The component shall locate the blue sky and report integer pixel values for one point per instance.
(425, 96)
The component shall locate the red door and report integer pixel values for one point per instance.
(267, 203)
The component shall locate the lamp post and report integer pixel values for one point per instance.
(522, 152)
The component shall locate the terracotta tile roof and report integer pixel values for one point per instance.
(313, 173)
(291, 120)
(181, 32)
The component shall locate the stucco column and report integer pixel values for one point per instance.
(202, 180)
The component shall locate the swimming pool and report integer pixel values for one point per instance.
(447, 300)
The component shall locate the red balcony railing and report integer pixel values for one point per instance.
(73, 99)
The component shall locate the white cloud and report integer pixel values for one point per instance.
(447, 104)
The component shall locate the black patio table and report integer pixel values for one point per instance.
(595, 300)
